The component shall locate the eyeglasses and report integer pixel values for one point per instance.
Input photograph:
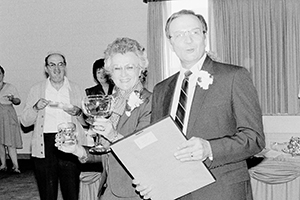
(59, 65)
(194, 33)
(128, 68)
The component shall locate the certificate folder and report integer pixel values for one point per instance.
(148, 155)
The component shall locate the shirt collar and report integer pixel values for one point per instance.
(196, 68)
(66, 83)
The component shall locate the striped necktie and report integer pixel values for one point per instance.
(180, 113)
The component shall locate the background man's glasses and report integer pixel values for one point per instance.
(59, 65)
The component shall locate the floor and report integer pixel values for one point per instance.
(23, 186)
(19, 186)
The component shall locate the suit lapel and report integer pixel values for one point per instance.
(163, 97)
(169, 95)
(122, 120)
(197, 104)
(135, 113)
(199, 97)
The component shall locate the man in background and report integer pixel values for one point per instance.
(48, 104)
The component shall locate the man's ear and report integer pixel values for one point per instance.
(171, 44)
(46, 72)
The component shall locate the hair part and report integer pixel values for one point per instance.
(181, 13)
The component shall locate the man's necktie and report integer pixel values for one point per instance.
(180, 113)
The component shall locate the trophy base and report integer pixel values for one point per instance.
(98, 150)
(90, 120)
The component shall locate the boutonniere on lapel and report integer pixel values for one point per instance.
(134, 101)
(205, 79)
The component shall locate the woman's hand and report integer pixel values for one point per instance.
(143, 190)
(9, 97)
(14, 100)
(104, 127)
(99, 141)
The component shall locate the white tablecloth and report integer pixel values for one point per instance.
(276, 178)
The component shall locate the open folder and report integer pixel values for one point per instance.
(148, 155)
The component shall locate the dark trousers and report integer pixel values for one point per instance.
(56, 167)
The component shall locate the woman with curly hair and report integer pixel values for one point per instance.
(125, 62)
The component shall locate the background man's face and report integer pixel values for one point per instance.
(56, 68)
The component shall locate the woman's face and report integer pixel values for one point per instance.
(125, 70)
(100, 74)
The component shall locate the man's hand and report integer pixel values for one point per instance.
(72, 110)
(194, 149)
(40, 104)
(62, 146)
(73, 148)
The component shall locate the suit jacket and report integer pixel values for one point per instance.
(119, 181)
(228, 115)
(97, 89)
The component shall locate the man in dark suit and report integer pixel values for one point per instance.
(223, 119)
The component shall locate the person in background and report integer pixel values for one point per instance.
(49, 103)
(104, 85)
(90, 175)
(221, 117)
(10, 135)
(125, 60)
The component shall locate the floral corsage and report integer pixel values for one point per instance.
(134, 101)
(205, 79)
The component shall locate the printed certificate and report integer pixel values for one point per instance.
(148, 155)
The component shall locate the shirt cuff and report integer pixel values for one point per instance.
(210, 152)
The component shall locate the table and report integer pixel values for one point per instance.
(276, 178)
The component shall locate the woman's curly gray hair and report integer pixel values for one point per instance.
(122, 46)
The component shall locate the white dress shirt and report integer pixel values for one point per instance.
(191, 90)
(56, 115)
